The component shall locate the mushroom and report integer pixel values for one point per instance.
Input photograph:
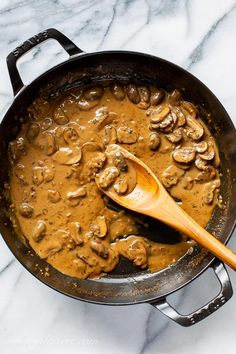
(159, 114)
(175, 97)
(102, 226)
(75, 232)
(184, 155)
(17, 148)
(108, 177)
(181, 118)
(121, 186)
(154, 141)
(118, 91)
(157, 96)
(209, 154)
(190, 108)
(32, 131)
(119, 161)
(194, 129)
(201, 146)
(70, 135)
(74, 197)
(59, 115)
(126, 135)
(48, 174)
(99, 248)
(206, 175)
(209, 191)
(168, 124)
(110, 136)
(93, 93)
(97, 162)
(50, 143)
(51, 247)
(37, 176)
(176, 136)
(26, 210)
(53, 196)
(171, 176)
(39, 231)
(90, 146)
(200, 163)
(103, 117)
(86, 105)
(144, 96)
(132, 93)
(68, 156)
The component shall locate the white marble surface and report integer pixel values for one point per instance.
(198, 35)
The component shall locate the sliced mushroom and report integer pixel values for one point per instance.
(110, 136)
(119, 161)
(76, 234)
(45, 124)
(159, 114)
(90, 146)
(184, 155)
(48, 174)
(132, 93)
(70, 135)
(126, 135)
(168, 124)
(67, 156)
(39, 231)
(188, 183)
(207, 175)
(99, 248)
(102, 226)
(108, 177)
(144, 97)
(32, 131)
(51, 248)
(53, 196)
(121, 186)
(200, 163)
(94, 93)
(50, 143)
(75, 197)
(97, 162)
(26, 210)
(157, 97)
(17, 149)
(181, 118)
(86, 105)
(190, 108)
(171, 176)
(103, 117)
(37, 176)
(209, 154)
(194, 130)
(175, 97)
(59, 115)
(209, 191)
(176, 136)
(201, 146)
(118, 91)
(154, 141)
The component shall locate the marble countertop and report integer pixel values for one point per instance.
(198, 35)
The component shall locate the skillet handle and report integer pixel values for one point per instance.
(224, 295)
(30, 43)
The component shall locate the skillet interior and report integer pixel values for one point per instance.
(126, 285)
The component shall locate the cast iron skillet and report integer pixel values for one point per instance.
(126, 285)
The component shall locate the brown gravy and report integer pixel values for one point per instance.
(59, 151)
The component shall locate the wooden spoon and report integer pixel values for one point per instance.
(149, 197)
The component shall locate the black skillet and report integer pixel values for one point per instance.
(126, 285)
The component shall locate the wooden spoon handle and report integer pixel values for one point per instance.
(170, 213)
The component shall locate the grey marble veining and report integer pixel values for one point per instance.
(198, 35)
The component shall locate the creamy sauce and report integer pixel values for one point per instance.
(56, 203)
